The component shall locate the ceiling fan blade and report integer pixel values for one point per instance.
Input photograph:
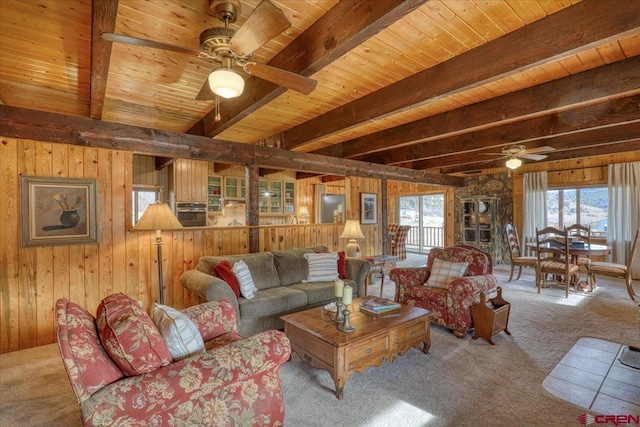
(535, 157)
(119, 38)
(206, 94)
(265, 22)
(290, 80)
(544, 149)
(494, 154)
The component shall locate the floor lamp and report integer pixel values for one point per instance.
(158, 216)
(352, 231)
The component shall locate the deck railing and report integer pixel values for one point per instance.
(431, 237)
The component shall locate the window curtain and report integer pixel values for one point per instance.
(624, 212)
(534, 207)
(320, 189)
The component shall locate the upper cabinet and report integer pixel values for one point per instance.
(234, 188)
(277, 197)
(188, 180)
(289, 197)
(214, 201)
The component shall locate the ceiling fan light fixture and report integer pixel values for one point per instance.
(226, 83)
(514, 162)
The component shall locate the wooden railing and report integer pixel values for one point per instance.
(431, 237)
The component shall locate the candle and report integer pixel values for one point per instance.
(338, 285)
(347, 295)
(341, 208)
(335, 212)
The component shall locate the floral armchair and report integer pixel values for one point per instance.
(234, 382)
(451, 302)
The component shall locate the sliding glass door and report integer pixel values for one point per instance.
(425, 215)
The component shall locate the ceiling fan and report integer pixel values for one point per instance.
(516, 152)
(229, 48)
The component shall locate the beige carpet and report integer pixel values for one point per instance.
(462, 382)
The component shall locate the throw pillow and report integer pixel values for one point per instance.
(179, 332)
(223, 271)
(322, 267)
(342, 265)
(130, 336)
(247, 287)
(445, 272)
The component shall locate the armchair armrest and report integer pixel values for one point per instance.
(357, 269)
(216, 379)
(213, 318)
(406, 277)
(467, 290)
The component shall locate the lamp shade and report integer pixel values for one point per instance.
(226, 83)
(514, 162)
(303, 211)
(157, 216)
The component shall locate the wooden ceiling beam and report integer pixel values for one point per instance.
(579, 119)
(603, 137)
(86, 132)
(342, 28)
(590, 87)
(104, 14)
(573, 30)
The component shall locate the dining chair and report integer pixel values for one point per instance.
(581, 234)
(554, 259)
(616, 270)
(515, 254)
(399, 240)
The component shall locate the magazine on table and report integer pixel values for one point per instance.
(378, 305)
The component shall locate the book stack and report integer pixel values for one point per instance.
(379, 306)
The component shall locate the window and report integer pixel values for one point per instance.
(581, 205)
(143, 197)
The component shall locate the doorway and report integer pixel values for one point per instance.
(425, 214)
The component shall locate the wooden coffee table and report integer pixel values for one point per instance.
(317, 340)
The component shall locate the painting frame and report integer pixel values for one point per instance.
(368, 208)
(58, 211)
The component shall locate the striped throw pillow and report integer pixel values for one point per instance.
(323, 267)
(445, 272)
(179, 332)
(247, 286)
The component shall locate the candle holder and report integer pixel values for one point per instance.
(346, 325)
(339, 317)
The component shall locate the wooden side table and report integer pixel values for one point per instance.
(489, 320)
(379, 266)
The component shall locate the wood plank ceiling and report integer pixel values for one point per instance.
(432, 86)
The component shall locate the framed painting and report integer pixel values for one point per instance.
(58, 211)
(368, 208)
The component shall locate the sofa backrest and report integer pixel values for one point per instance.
(88, 365)
(261, 265)
(292, 266)
(480, 262)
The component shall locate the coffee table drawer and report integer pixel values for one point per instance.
(363, 351)
(413, 331)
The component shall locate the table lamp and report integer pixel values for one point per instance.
(352, 232)
(303, 215)
(158, 216)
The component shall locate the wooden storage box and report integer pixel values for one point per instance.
(489, 319)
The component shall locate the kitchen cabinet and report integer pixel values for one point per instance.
(289, 197)
(214, 200)
(188, 180)
(277, 197)
(234, 188)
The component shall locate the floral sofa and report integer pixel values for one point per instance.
(450, 303)
(235, 381)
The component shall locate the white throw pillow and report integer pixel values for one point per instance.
(322, 267)
(445, 272)
(247, 287)
(179, 332)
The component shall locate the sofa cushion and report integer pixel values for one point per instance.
(223, 271)
(247, 286)
(179, 332)
(322, 267)
(267, 302)
(130, 336)
(445, 272)
(291, 265)
(261, 265)
(318, 292)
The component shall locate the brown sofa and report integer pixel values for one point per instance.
(279, 276)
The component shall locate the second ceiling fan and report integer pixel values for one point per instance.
(231, 48)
